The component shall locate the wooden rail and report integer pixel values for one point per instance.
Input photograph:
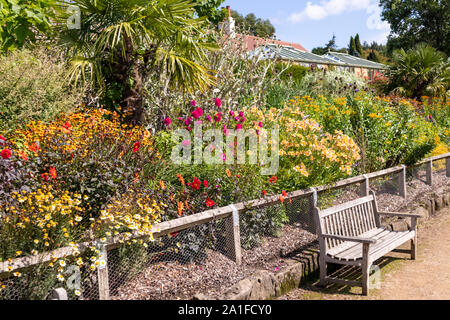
(227, 212)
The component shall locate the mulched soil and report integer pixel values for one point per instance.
(171, 280)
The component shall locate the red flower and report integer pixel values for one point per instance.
(264, 192)
(206, 183)
(195, 184)
(34, 147)
(6, 153)
(23, 155)
(218, 117)
(44, 176)
(209, 203)
(284, 193)
(66, 127)
(197, 113)
(273, 179)
(2, 140)
(167, 121)
(136, 147)
(238, 176)
(53, 173)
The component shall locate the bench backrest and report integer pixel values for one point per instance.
(352, 219)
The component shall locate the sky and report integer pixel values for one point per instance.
(312, 23)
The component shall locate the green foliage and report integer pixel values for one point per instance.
(413, 22)
(352, 46)
(21, 21)
(419, 71)
(135, 39)
(252, 25)
(33, 86)
(358, 45)
(209, 9)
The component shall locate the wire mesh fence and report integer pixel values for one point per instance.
(202, 256)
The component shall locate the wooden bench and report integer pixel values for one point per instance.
(351, 234)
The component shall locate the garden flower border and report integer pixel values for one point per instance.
(230, 212)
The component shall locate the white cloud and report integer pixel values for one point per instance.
(329, 8)
(374, 21)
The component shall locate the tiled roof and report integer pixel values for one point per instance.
(253, 42)
(354, 61)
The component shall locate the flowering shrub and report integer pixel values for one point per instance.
(387, 131)
(69, 181)
(308, 154)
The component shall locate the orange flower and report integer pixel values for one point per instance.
(281, 199)
(180, 208)
(228, 173)
(53, 173)
(34, 147)
(23, 155)
(161, 183)
(187, 206)
(181, 179)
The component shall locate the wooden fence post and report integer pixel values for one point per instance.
(402, 183)
(430, 172)
(364, 187)
(233, 236)
(102, 273)
(313, 203)
(447, 162)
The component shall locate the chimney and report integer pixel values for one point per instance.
(228, 25)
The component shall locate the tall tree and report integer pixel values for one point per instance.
(209, 9)
(352, 46)
(358, 45)
(119, 41)
(414, 21)
(253, 25)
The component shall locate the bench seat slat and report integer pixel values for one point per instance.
(384, 240)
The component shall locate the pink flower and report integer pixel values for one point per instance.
(186, 143)
(167, 121)
(217, 117)
(218, 102)
(180, 118)
(208, 118)
(239, 126)
(241, 114)
(231, 113)
(260, 124)
(197, 113)
(224, 157)
(243, 119)
(193, 103)
(257, 132)
(188, 121)
(236, 118)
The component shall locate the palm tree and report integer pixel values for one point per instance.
(421, 71)
(121, 40)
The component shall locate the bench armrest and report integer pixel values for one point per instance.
(400, 214)
(354, 239)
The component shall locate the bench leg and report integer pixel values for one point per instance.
(413, 248)
(365, 266)
(323, 271)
